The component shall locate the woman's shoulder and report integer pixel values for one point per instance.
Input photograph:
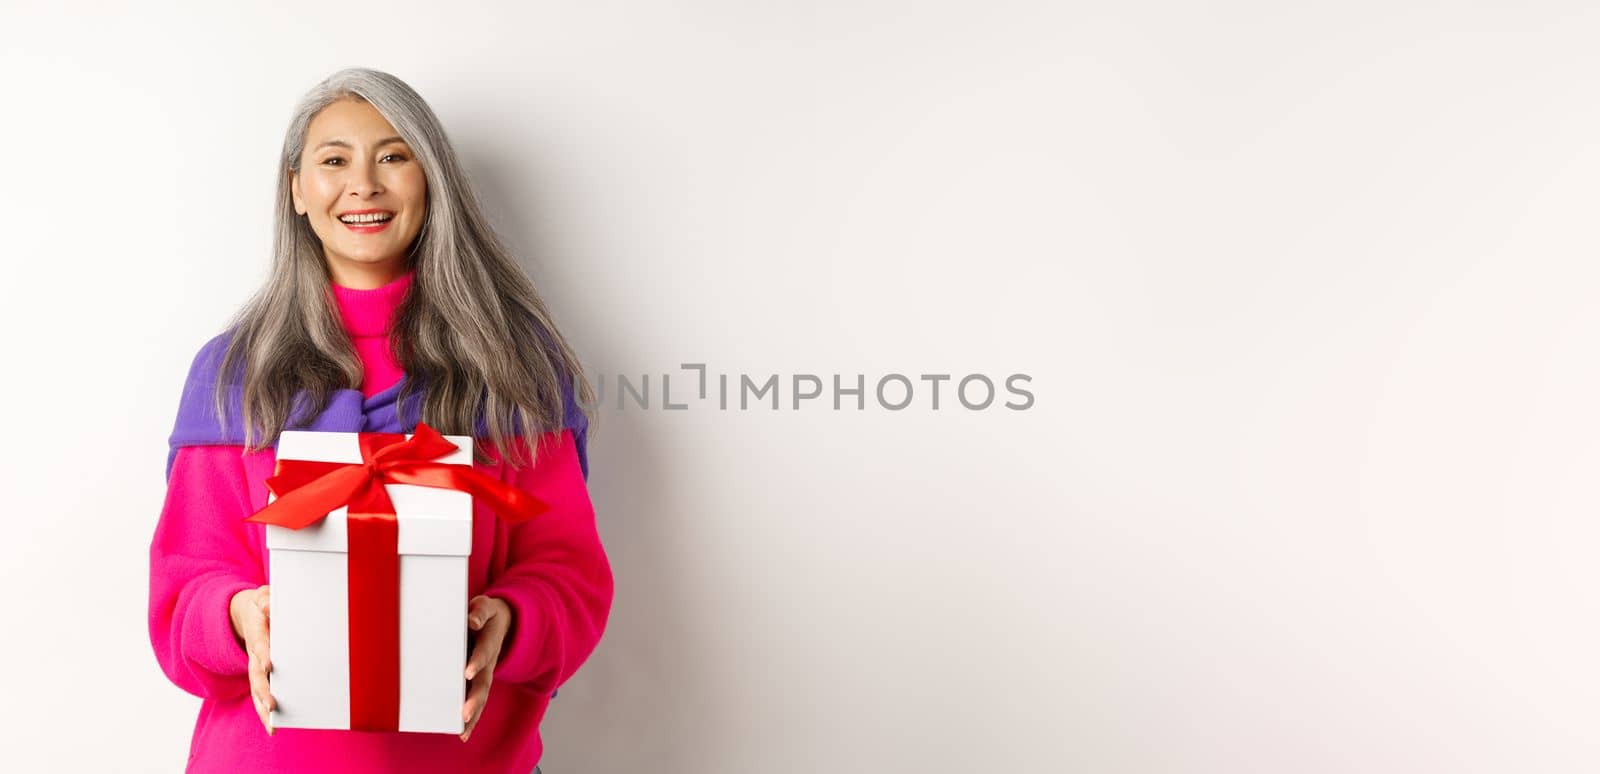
(199, 384)
(205, 364)
(208, 358)
(197, 422)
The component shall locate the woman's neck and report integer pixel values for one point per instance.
(367, 315)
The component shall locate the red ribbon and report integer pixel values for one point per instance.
(307, 490)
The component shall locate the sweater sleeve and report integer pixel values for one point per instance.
(557, 578)
(200, 557)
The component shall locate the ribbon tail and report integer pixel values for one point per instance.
(507, 501)
(306, 505)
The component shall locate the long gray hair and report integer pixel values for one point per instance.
(472, 327)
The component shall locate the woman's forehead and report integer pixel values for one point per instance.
(349, 123)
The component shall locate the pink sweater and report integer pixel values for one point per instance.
(552, 571)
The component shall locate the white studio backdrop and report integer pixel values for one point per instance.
(1307, 294)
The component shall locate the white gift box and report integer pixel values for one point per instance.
(309, 570)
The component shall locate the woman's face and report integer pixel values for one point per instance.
(355, 162)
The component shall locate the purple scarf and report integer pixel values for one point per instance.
(348, 410)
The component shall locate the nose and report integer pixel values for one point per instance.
(364, 181)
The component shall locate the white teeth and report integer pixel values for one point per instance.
(375, 217)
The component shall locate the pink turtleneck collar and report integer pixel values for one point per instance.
(367, 312)
(366, 315)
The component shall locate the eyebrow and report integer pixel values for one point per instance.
(343, 144)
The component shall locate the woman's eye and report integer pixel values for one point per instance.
(330, 160)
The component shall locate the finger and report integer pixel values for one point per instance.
(258, 688)
(495, 630)
(264, 645)
(485, 652)
(479, 612)
(261, 693)
(261, 648)
(477, 698)
(486, 645)
(474, 661)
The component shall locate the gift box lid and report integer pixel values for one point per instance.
(432, 520)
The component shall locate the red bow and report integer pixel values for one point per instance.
(308, 490)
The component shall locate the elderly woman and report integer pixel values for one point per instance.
(389, 302)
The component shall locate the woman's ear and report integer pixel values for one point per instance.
(294, 192)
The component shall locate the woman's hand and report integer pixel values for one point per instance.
(491, 619)
(251, 611)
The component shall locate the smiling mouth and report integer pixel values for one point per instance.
(366, 218)
(368, 226)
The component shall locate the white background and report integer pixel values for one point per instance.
(1307, 292)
